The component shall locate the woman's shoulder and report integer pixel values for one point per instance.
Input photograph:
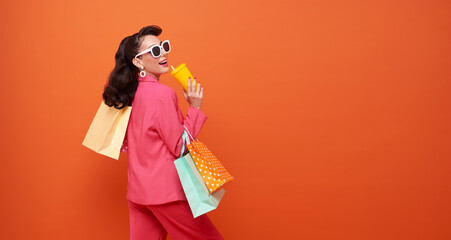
(156, 91)
(165, 93)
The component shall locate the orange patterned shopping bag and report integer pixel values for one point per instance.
(212, 171)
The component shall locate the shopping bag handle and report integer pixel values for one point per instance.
(184, 139)
(186, 129)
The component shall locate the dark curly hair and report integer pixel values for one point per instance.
(123, 80)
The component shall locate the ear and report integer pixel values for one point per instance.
(137, 62)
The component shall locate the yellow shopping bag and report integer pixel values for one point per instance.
(107, 130)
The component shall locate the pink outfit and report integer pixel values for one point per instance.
(154, 222)
(153, 142)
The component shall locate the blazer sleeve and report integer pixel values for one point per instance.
(170, 121)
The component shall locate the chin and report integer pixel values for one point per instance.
(165, 70)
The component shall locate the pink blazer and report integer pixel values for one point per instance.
(153, 141)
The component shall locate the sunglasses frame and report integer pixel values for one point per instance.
(154, 46)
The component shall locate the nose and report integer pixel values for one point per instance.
(163, 52)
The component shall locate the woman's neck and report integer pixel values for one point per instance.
(156, 76)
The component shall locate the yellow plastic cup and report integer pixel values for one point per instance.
(181, 73)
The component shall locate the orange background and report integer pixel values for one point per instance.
(333, 116)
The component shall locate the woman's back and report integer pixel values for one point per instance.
(154, 142)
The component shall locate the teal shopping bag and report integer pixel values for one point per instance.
(199, 198)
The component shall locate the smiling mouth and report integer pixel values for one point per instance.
(163, 62)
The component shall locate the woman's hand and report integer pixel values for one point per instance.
(194, 96)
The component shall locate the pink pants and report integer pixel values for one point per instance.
(152, 222)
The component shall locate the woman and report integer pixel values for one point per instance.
(157, 203)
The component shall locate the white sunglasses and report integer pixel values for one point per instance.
(156, 50)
